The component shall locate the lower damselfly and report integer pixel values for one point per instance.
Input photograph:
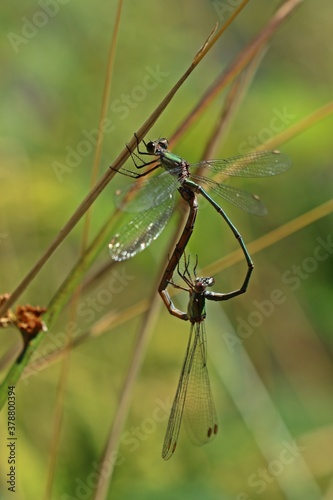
(194, 392)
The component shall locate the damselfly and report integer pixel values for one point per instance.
(155, 198)
(193, 392)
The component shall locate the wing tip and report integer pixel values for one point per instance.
(168, 450)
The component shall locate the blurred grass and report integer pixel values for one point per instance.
(51, 92)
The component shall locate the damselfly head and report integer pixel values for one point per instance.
(201, 284)
(157, 147)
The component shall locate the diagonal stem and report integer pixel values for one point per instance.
(106, 178)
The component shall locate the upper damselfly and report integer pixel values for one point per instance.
(154, 199)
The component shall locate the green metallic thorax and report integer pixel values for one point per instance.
(170, 161)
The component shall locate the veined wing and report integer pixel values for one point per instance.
(148, 193)
(256, 164)
(242, 199)
(193, 394)
(175, 419)
(144, 228)
(200, 413)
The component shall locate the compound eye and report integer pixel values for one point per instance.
(200, 284)
(164, 143)
(210, 281)
(150, 147)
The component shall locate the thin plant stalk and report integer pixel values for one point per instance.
(125, 397)
(110, 173)
(16, 369)
(233, 100)
(149, 321)
(58, 418)
(238, 64)
(302, 125)
(294, 225)
(116, 319)
(261, 46)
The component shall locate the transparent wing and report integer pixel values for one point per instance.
(257, 164)
(193, 394)
(144, 228)
(175, 419)
(145, 194)
(242, 199)
(200, 413)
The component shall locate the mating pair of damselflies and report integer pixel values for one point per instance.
(154, 203)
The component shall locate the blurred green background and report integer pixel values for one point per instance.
(273, 383)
